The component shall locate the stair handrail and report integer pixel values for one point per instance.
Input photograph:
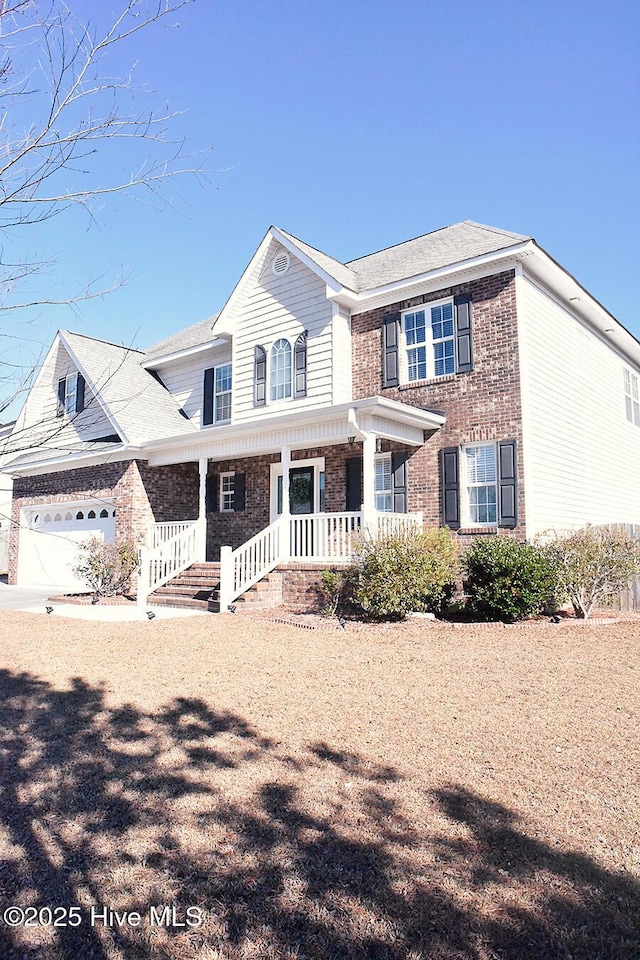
(253, 560)
(169, 557)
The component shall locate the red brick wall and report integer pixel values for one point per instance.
(141, 494)
(233, 529)
(484, 404)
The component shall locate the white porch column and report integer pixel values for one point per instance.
(201, 550)
(285, 516)
(368, 482)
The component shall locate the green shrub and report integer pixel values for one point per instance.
(404, 572)
(506, 579)
(106, 567)
(335, 590)
(593, 564)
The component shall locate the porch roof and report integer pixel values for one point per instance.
(320, 426)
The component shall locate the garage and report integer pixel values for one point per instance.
(49, 539)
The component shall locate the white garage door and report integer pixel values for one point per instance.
(49, 538)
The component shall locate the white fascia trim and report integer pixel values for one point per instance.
(331, 282)
(400, 412)
(94, 392)
(390, 291)
(544, 271)
(73, 461)
(217, 341)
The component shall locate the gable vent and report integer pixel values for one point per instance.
(281, 263)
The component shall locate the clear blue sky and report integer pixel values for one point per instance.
(357, 125)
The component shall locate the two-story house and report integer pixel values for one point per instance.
(462, 378)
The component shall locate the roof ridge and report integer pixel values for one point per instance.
(109, 343)
(400, 243)
(499, 230)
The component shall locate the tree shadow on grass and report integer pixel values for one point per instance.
(311, 855)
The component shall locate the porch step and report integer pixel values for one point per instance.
(196, 587)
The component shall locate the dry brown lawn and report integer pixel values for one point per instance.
(415, 791)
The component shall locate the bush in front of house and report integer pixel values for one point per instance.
(106, 567)
(593, 564)
(506, 579)
(405, 572)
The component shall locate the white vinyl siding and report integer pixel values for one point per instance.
(581, 455)
(39, 415)
(185, 378)
(342, 379)
(273, 308)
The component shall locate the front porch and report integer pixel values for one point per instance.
(287, 505)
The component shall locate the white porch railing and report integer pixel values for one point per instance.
(172, 548)
(318, 537)
(389, 523)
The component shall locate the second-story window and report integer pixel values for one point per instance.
(71, 395)
(216, 403)
(280, 370)
(429, 341)
(222, 393)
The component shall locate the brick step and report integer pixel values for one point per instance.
(203, 568)
(174, 600)
(200, 592)
(196, 581)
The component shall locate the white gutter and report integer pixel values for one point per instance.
(183, 354)
(71, 461)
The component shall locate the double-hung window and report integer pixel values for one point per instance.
(481, 484)
(71, 395)
(383, 483)
(429, 339)
(227, 487)
(222, 393)
(631, 397)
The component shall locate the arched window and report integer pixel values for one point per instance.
(91, 515)
(104, 513)
(68, 516)
(58, 517)
(79, 515)
(280, 370)
(47, 518)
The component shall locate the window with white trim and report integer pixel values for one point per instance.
(280, 370)
(67, 393)
(383, 491)
(222, 392)
(226, 492)
(480, 479)
(631, 397)
(429, 341)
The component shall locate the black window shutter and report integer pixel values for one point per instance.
(62, 389)
(508, 483)
(390, 341)
(239, 491)
(259, 376)
(80, 393)
(300, 367)
(464, 349)
(450, 481)
(354, 483)
(399, 477)
(212, 493)
(207, 398)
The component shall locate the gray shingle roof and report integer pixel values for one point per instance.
(51, 452)
(193, 336)
(441, 248)
(331, 266)
(141, 406)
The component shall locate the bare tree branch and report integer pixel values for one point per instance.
(62, 110)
